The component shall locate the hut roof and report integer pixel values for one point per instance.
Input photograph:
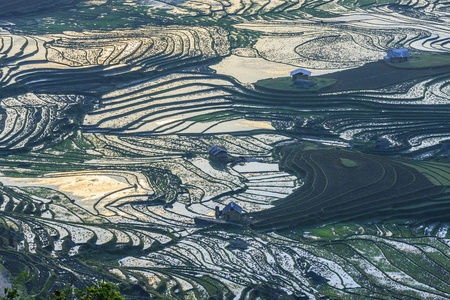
(301, 71)
(402, 52)
(214, 150)
(231, 206)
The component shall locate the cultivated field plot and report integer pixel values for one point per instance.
(28, 120)
(341, 185)
(108, 109)
(354, 267)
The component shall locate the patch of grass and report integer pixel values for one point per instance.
(334, 231)
(348, 163)
(286, 84)
(423, 61)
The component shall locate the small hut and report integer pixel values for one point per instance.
(218, 154)
(397, 55)
(300, 74)
(232, 212)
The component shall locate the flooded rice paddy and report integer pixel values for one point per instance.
(107, 111)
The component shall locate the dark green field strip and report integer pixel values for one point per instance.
(440, 172)
(398, 205)
(364, 278)
(434, 178)
(380, 201)
(419, 181)
(376, 185)
(367, 174)
(400, 262)
(440, 271)
(442, 169)
(303, 169)
(360, 179)
(427, 276)
(405, 177)
(436, 255)
(352, 294)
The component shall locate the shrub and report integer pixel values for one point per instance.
(105, 291)
(10, 294)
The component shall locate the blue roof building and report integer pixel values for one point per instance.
(231, 212)
(231, 206)
(218, 153)
(214, 150)
(397, 55)
(300, 72)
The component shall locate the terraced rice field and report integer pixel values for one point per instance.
(367, 185)
(107, 109)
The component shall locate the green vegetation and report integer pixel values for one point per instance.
(10, 294)
(424, 61)
(286, 84)
(348, 163)
(104, 291)
(437, 172)
(334, 190)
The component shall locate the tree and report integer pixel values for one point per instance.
(66, 294)
(105, 291)
(10, 294)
